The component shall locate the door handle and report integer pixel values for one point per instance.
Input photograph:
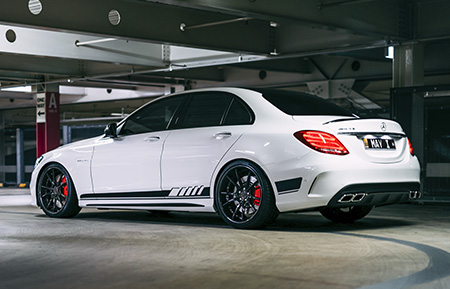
(222, 135)
(152, 138)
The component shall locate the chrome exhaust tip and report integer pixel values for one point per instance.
(414, 195)
(352, 198)
(359, 197)
(347, 198)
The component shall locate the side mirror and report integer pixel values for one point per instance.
(111, 130)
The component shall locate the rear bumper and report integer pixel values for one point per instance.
(375, 194)
(326, 179)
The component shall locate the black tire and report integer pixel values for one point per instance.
(244, 197)
(56, 194)
(346, 215)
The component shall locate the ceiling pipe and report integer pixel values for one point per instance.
(184, 27)
(78, 43)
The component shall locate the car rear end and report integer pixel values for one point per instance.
(341, 160)
(375, 165)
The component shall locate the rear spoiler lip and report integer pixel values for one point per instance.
(341, 120)
(362, 134)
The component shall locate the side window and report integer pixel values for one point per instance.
(206, 109)
(238, 114)
(153, 117)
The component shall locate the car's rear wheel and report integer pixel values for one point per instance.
(244, 197)
(56, 193)
(346, 215)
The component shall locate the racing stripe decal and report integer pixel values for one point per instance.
(152, 205)
(195, 191)
(183, 192)
(154, 194)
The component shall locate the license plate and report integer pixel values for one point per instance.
(379, 143)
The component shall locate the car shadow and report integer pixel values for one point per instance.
(314, 222)
(290, 222)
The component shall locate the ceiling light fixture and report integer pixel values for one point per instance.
(114, 17)
(35, 7)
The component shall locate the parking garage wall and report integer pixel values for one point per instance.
(8, 148)
(424, 113)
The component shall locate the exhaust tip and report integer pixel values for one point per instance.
(352, 198)
(414, 195)
(347, 198)
(359, 197)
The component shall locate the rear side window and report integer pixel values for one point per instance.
(297, 103)
(206, 109)
(214, 109)
(238, 114)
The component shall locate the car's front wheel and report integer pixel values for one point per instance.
(346, 215)
(56, 193)
(244, 198)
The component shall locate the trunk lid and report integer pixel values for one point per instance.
(375, 140)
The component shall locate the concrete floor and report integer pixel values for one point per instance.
(401, 246)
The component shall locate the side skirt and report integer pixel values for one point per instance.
(178, 199)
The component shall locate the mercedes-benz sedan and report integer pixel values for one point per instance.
(246, 154)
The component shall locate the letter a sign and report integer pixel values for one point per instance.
(47, 122)
(52, 103)
(47, 106)
(53, 106)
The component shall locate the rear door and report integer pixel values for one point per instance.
(210, 124)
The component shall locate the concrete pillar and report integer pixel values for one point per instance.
(408, 65)
(20, 157)
(2, 149)
(67, 134)
(408, 71)
(47, 120)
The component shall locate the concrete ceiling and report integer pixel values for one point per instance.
(162, 45)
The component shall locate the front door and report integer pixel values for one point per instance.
(131, 162)
(128, 164)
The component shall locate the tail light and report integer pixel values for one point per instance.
(322, 142)
(410, 147)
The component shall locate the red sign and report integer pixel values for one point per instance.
(47, 119)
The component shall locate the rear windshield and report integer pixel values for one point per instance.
(299, 103)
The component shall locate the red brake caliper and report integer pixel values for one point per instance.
(257, 195)
(64, 182)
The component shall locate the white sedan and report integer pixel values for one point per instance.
(246, 154)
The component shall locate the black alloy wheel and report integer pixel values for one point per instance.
(56, 193)
(244, 198)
